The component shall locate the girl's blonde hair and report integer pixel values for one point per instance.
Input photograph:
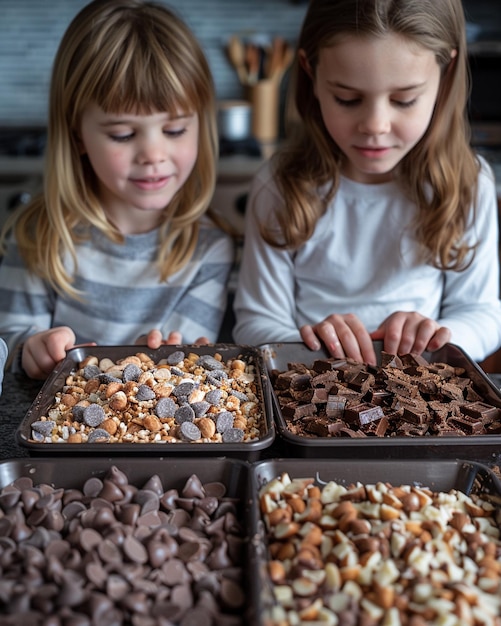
(125, 56)
(442, 161)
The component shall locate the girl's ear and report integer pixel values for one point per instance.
(304, 63)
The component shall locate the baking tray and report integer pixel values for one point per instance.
(243, 450)
(485, 448)
(438, 475)
(65, 473)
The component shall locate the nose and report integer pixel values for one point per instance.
(152, 150)
(375, 119)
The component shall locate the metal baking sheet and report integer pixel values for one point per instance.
(66, 473)
(56, 381)
(486, 448)
(438, 475)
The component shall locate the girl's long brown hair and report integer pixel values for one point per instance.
(442, 162)
(125, 56)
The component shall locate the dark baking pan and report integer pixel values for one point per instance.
(68, 474)
(438, 475)
(485, 448)
(246, 450)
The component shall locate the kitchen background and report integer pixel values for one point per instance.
(30, 32)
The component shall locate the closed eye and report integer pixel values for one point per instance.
(175, 133)
(345, 102)
(122, 138)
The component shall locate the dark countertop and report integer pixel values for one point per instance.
(18, 393)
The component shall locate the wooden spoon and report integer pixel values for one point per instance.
(236, 55)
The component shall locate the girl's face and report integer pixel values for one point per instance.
(140, 162)
(377, 97)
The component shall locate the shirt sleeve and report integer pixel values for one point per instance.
(26, 302)
(265, 308)
(471, 308)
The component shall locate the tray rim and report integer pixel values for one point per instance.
(381, 442)
(164, 448)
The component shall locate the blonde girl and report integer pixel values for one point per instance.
(376, 220)
(120, 247)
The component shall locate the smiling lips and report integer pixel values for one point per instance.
(372, 152)
(151, 183)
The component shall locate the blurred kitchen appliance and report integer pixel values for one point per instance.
(21, 163)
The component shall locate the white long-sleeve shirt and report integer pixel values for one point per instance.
(361, 259)
(123, 295)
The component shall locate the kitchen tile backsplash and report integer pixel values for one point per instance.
(30, 32)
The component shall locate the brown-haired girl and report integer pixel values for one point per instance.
(377, 220)
(120, 245)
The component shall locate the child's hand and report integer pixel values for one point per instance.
(343, 336)
(42, 351)
(403, 332)
(154, 339)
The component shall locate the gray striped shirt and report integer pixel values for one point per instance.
(124, 297)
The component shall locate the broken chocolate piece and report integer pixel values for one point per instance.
(363, 413)
(335, 406)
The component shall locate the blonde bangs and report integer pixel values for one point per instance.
(130, 75)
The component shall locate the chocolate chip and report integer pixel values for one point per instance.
(183, 389)
(214, 396)
(78, 412)
(200, 408)
(108, 378)
(91, 371)
(208, 362)
(233, 435)
(135, 550)
(175, 358)
(184, 414)
(131, 372)
(165, 407)
(93, 415)
(98, 436)
(190, 431)
(43, 427)
(145, 393)
(224, 421)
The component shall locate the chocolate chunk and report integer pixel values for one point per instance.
(390, 360)
(335, 406)
(482, 411)
(468, 424)
(144, 392)
(296, 411)
(362, 382)
(415, 416)
(363, 414)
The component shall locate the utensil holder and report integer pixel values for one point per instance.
(264, 97)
